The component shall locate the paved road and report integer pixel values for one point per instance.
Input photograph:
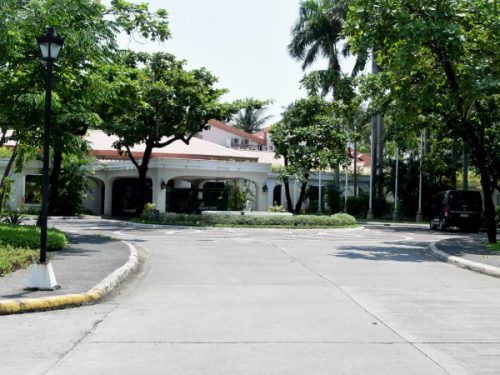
(236, 301)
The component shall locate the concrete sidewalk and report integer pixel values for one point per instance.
(465, 252)
(87, 270)
(470, 253)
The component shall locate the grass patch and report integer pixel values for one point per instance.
(265, 221)
(14, 258)
(28, 236)
(493, 246)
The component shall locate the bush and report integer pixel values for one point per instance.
(28, 236)
(12, 258)
(277, 208)
(12, 217)
(237, 197)
(222, 219)
(358, 206)
(149, 207)
(333, 199)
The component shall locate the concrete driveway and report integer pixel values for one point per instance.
(236, 301)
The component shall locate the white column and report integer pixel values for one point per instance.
(108, 197)
(283, 195)
(161, 195)
(160, 198)
(260, 197)
(295, 196)
(319, 192)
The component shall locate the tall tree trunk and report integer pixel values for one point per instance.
(355, 183)
(377, 146)
(54, 182)
(3, 136)
(143, 171)
(6, 173)
(475, 143)
(373, 168)
(453, 176)
(298, 205)
(479, 154)
(289, 203)
(380, 158)
(465, 169)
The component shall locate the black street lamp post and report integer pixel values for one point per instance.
(50, 46)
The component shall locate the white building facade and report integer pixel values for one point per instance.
(181, 178)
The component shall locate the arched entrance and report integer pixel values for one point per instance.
(125, 194)
(277, 195)
(194, 195)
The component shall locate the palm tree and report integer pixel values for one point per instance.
(317, 32)
(250, 119)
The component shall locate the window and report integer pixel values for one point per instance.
(246, 142)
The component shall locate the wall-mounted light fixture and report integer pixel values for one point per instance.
(163, 185)
(264, 188)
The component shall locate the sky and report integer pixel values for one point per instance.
(242, 42)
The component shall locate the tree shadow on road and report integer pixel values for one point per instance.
(408, 251)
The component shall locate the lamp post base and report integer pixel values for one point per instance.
(42, 277)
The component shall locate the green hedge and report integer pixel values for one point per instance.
(336, 220)
(14, 258)
(28, 236)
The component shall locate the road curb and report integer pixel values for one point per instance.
(98, 292)
(464, 263)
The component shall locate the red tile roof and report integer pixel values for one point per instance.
(240, 133)
(102, 148)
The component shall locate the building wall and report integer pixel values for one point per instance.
(216, 135)
(226, 139)
(163, 170)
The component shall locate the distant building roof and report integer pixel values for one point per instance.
(240, 133)
(266, 157)
(102, 147)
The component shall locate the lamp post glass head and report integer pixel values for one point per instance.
(50, 45)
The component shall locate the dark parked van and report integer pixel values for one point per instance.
(456, 208)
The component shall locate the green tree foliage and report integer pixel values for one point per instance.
(439, 64)
(75, 181)
(316, 33)
(237, 197)
(90, 29)
(156, 102)
(308, 139)
(252, 117)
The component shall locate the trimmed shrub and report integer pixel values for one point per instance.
(358, 206)
(277, 208)
(222, 219)
(333, 199)
(28, 236)
(13, 258)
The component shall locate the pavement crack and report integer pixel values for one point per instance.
(83, 337)
(256, 342)
(357, 303)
